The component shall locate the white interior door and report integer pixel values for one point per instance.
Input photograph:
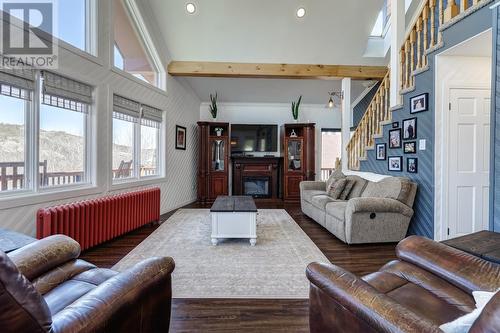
(469, 161)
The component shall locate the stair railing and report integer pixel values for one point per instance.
(377, 114)
(425, 34)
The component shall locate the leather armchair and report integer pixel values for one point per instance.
(429, 285)
(44, 287)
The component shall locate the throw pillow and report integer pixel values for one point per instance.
(464, 323)
(336, 188)
(336, 174)
(347, 189)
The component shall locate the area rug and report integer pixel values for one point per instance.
(274, 268)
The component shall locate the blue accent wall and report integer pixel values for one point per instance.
(423, 220)
(360, 108)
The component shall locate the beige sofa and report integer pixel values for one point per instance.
(374, 212)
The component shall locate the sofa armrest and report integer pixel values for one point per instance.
(110, 305)
(312, 185)
(457, 267)
(377, 205)
(45, 254)
(362, 302)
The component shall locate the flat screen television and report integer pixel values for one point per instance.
(254, 138)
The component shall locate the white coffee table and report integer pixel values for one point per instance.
(234, 217)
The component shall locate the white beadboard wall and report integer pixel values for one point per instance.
(279, 114)
(180, 103)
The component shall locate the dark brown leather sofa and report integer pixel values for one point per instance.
(44, 287)
(429, 285)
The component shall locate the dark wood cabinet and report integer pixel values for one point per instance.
(213, 160)
(298, 144)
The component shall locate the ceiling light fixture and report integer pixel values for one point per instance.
(190, 8)
(333, 95)
(301, 12)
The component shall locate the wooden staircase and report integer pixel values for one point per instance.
(424, 37)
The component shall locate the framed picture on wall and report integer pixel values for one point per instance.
(410, 147)
(410, 129)
(395, 163)
(381, 151)
(419, 103)
(412, 165)
(180, 137)
(395, 138)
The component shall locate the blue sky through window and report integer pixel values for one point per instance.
(11, 110)
(118, 58)
(69, 21)
(62, 120)
(51, 118)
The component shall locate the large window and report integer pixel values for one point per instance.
(74, 23)
(62, 146)
(136, 139)
(129, 52)
(12, 142)
(59, 140)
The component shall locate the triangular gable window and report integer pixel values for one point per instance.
(130, 54)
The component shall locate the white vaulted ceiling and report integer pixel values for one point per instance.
(268, 31)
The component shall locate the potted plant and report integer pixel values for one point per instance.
(218, 131)
(295, 109)
(213, 105)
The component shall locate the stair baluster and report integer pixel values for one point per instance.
(425, 19)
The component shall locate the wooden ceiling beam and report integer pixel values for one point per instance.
(274, 71)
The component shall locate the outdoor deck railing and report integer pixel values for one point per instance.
(326, 172)
(12, 175)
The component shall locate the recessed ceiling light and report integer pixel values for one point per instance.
(301, 12)
(191, 8)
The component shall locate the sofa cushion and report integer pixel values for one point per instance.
(337, 209)
(320, 201)
(421, 292)
(72, 289)
(307, 195)
(398, 188)
(335, 189)
(358, 187)
(347, 189)
(336, 174)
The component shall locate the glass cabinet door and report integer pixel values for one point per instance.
(218, 155)
(294, 155)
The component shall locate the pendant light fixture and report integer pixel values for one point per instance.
(333, 95)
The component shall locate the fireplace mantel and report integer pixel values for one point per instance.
(255, 167)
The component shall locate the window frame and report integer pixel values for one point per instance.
(159, 168)
(32, 149)
(28, 151)
(91, 34)
(136, 178)
(147, 44)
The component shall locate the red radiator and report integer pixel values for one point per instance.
(92, 222)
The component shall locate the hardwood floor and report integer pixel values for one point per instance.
(251, 315)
